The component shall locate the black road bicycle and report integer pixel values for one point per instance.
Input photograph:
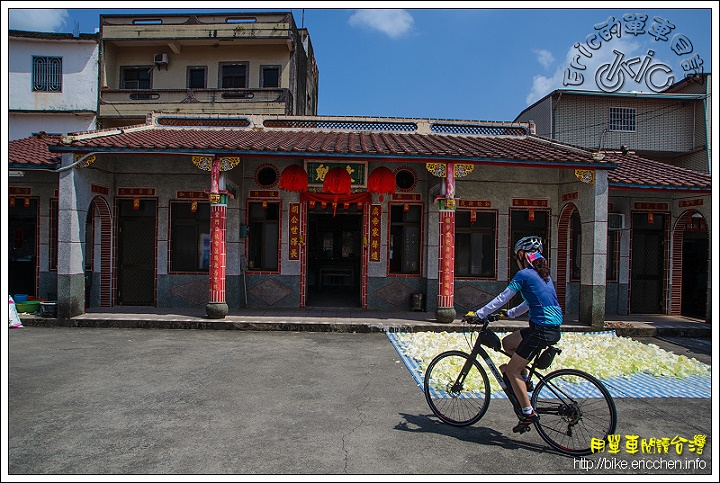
(574, 407)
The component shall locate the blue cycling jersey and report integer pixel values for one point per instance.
(540, 296)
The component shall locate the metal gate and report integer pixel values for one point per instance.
(22, 231)
(136, 253)
(647, 264)
(523, 225)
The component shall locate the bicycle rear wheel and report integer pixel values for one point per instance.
(574, 409)
(456, 401)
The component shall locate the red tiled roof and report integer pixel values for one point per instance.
(322, 142)
(630, 171)
(634, 171)
(34, 151)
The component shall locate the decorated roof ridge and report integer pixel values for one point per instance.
(259, 122)
(110, 131)
(594, 155)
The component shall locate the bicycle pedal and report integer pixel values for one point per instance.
(522, 428)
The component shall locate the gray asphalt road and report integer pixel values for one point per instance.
(185, 402)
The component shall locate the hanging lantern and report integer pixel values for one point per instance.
(27, 202)
(346, 206)
(264, 204)
(381, 181)
(406, 207)
(651, 217)
(136, 203)
(312, 204)
(473, 216)
(337, 181)
(294, 178)
(531, 214)
(193, 206)
(12, 201)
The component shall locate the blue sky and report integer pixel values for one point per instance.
(456, 62)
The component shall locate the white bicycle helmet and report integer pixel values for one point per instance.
(529, 244)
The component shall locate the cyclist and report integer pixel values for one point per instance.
(539, 297)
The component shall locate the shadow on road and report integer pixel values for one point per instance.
(472, 434)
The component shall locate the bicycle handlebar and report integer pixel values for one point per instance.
(472, 318)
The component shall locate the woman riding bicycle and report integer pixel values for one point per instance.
(539, 297)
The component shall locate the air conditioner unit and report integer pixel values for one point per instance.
(616, 221)
(161, 59)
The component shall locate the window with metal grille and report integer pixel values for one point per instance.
(47, 74)
(270, 76)
(622, 119)
(233, 75)
(613, 256)
(475, 244)
(405, 234)
(136, 77)
(263, 235)
(189, 236)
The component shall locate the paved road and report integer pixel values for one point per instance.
(185, 402)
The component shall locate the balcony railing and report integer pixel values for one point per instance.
(138, 102)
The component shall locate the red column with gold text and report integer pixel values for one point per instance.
(217, 307)
(217, 253)
(446, 257)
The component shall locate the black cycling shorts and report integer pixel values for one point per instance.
(535, 338)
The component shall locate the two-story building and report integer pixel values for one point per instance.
(672, 126)
(52, 83)
(232, 63)
(52, 89)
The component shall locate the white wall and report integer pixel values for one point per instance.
(23, 125)
(80, 75)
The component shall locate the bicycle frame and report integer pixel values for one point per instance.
(479, 351)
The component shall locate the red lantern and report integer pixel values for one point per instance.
(294, 178)
(382, 181)
(337, 181)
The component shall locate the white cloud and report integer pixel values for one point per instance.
(392, 22)
(545, 57)
(543, 85)
(38, 19)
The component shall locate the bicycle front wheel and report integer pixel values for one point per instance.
(575, 408)
(456, 400)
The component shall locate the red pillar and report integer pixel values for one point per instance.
(217, 253)
(446, 261)
(217, 307)
(446, 258)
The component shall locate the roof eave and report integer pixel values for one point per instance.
(304, 154)
(656, 188)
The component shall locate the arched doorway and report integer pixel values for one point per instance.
(99, 224)
(568, 255)
(690, 266)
